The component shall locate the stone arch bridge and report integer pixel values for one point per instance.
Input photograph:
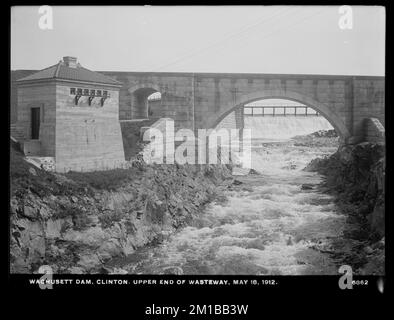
(202, 100)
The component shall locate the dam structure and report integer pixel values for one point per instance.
(353, 105)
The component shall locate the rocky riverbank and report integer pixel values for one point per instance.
(322, 138)
(355, 174)
(77, 222)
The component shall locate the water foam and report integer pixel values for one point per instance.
(269, 229)
(284, 127)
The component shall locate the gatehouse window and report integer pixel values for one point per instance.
(86, 92)
(72, 90)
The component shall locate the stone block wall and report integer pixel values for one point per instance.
(42, 96)
(15, 75)
(155, 109)
(32, 147)
(228, 122)
(88, 138)
(374, 131)
(369, 102)
(176, 99)
(202, 100)
(216, 96)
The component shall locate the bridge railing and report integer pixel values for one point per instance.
(274, 111)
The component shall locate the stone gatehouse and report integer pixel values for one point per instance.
(71, 114)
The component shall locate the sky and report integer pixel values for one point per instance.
(235, 39)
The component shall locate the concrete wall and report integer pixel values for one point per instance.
(44, 97)
(87, 137)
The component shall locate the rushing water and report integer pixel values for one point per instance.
(269, 225)
(285, 127)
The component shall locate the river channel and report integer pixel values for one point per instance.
(273, 223)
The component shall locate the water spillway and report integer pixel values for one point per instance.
(281, 127)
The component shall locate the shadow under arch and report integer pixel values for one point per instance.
(330, 115)
(139, 99)
(147, 85)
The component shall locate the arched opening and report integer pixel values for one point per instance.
(145, 101)
(154, 105)
(319, 107)
(285, 134)
(279, 119)
(276, 119)
(143, 109)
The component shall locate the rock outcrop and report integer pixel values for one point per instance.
(318, 139)
(356, 175)
(76, 222)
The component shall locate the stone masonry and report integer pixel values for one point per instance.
(78, 121)
(202, 100)
(86, 137)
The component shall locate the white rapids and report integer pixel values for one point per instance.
(268, 226)
(285, 127)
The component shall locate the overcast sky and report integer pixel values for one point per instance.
(255, 39)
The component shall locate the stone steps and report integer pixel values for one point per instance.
(45, 163)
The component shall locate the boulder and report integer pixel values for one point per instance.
(307, 186)
(173, 270)
(237, 182)
(109, 249)
(93, 237)
(76, 270)
(29, 212)
(44, 213)
(88, 260)
(53, 228)
(32, 171)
